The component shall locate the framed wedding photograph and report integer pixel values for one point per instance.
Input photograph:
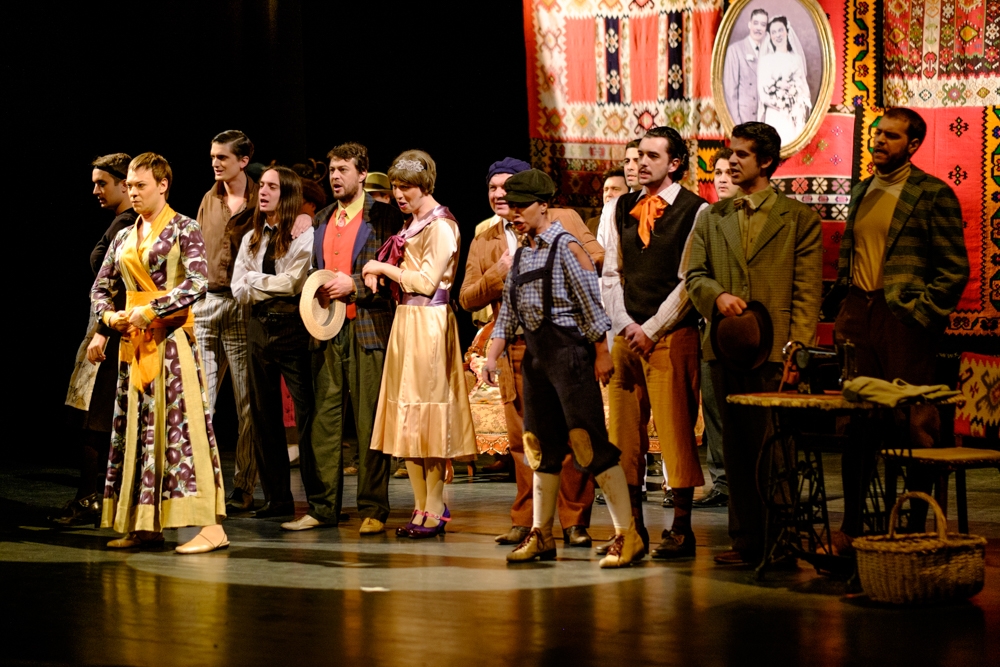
(774, 62)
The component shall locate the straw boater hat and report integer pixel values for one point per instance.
(743, 342)
(322, 323)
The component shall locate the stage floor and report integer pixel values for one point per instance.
(327, 596)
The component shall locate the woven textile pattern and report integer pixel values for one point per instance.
(979, 382)
(962, 148)
(941, 53)
(601, 72)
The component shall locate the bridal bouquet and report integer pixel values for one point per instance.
(781, 93)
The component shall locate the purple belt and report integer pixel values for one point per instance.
(440, 298)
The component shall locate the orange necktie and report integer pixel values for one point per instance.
(647, 212)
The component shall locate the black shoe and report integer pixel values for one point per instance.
(714, 498)
(675, 545)
(668, 499)
(239, 501)
(515, 535)
(271, 510)
(82, 512)
(600, 500)
(577, 536)
(602, 549)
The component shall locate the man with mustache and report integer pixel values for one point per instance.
(740, 70)
(904, 264)
(655, 352)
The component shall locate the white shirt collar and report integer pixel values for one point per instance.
(667, 194)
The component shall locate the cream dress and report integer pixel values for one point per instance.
(423, 405)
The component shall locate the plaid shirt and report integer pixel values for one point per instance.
(576, 297)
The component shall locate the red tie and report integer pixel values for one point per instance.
(647, 212)
(342, 218)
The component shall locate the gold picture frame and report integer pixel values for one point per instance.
(742, 66)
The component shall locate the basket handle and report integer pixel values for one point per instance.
(940, 523)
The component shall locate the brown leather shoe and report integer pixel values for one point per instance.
(732, 557)
(675, 545)
(138, 538)
(533, 547)
(577, 536)
(515, 535)
(239, 501)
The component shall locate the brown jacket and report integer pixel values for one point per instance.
(485, 276)
(223, 232)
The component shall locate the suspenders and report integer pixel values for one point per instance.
(544, 273)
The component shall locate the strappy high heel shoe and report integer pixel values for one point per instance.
(404, 531)
(420, 532)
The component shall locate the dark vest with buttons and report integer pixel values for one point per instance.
(649, 274)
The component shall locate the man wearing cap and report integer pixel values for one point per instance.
(551, 295)
(349, 366)
(378, 186)
(490, 258)
(220, 324)
(655, 351)
(763, 249)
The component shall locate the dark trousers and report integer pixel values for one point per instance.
(886, 348)
(712, 436)
(576, 487)
(561, 395)
(343, 371)
(744, 430)
(278, 345)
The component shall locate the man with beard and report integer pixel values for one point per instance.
(348, 368)
(764, 247)
(101, 349)
(490, 259)
(904, 263)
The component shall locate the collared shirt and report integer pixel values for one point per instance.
(353, 209)
(761, 203)
(508, 231)
(576, 301)
(676, 305)
(251, 285)
(223, 230)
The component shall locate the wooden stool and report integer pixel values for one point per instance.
(942, 462)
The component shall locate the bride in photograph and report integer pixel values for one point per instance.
(784, 100)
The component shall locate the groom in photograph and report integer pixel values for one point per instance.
(739, 73)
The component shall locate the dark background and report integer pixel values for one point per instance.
(298, 76)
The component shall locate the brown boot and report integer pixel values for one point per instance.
(625, 549)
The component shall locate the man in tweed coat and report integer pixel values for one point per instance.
(904, 264)
(349, 233)
(760, 246)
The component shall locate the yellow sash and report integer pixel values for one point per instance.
(140, 347)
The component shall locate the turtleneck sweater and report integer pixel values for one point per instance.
(871, 227)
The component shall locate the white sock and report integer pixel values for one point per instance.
(612, 482)
(545, 491)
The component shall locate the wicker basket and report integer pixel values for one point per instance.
(922, 567)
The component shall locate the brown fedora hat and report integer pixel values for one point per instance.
(322, 323)
(743, 342)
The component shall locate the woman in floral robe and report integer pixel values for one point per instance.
(163, 470)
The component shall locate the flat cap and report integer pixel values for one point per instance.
(527, 187)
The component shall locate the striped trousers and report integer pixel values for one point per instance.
(220, 327)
